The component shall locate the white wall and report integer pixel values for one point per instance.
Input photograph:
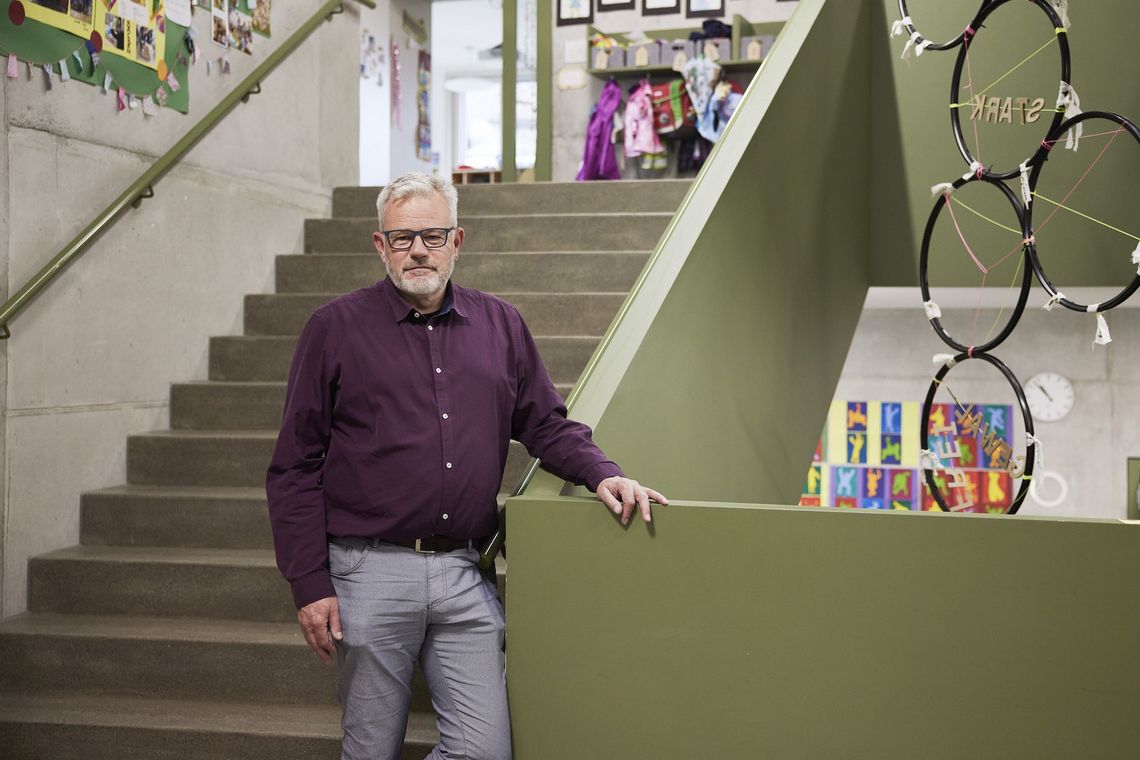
(571, 108)
(91, 360)
(890, 360)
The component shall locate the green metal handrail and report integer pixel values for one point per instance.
(143, 187)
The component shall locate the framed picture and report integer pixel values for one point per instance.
(702, 8)
(575, 12)
(660, 7)
(616, 5)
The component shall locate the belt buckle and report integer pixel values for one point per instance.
(418, 550)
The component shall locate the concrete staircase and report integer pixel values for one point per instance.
(168, 633)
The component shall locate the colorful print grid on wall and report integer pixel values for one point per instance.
(868, 458)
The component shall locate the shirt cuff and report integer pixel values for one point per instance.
(596, 473)
(309, 588)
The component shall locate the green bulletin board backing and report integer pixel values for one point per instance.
(39, 43)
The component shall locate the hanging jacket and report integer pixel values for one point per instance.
(700, 77)
(640, 136)
(598, 158)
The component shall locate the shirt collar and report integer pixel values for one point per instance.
(453, 301)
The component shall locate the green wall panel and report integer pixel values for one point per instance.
(745, 631)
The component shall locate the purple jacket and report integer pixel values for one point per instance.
(599, 160)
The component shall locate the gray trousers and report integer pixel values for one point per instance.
(397, 607)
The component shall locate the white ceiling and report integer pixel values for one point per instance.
(460, 29)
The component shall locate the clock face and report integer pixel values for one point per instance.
(1050, 396)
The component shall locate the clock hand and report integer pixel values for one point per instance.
(1042, 389)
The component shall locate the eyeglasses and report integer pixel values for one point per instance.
(402, 240)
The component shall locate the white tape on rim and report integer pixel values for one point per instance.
(942, 188)
(1103, 338)
(932, 310)
(899, 27)
(1026, 191)
(1071, 103)
(1039, 455)
(1062, 8)
(976, 169)
(1136, 258)
(1056, 299)
(928, 460)
(947, 359)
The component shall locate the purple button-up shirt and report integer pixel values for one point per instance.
(396, 426)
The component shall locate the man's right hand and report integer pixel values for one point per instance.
(318, 620)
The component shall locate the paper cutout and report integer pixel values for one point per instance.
(106, 82)
(148, 107)
(64, 74)
(47, 75)
(226, 65)
(16, 12)
(161, 96)
(132, 102)
(12, 64)
(121, 99)
(178, 11)
(173, 82)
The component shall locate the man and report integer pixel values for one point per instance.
(402, 401)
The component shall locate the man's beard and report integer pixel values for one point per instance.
(421, 285)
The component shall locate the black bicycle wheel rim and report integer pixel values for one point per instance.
(1034, 259)
(949, 44)
(1037, 151)
(1027, 417)
(924, 263)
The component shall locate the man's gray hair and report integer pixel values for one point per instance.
(418, 185)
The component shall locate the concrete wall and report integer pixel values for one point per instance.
(91, 360)
(572, 107)
(388, 149)
(890, 360)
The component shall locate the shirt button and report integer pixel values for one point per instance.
(438, 370)
(430, 327)
(445, 415)
(445, 517)
(417, 315)
(449, 465)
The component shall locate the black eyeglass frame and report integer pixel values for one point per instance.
(418, 234)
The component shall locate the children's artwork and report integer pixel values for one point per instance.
(143, 43)
(868, 458)
(178, 11)
(423, 107)
(261, 16)
(74, 16)
(240, 29)
(219, 25)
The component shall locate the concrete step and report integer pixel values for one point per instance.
(76, 727)
(218, 584)
(175, 516)
(502, 233)
(226, 406)
(545, 313)
(228, 458)
(229, 584)
(178, 517)
(529, 271)
(157, 657)
(538, 197)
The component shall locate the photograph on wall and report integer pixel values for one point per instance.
(261, 17)
(616, 5)
(132, 11)
(240, 29)
(704, 8)
(143, 43)
(575, 12)
(219, 26)
(74, 16)
(659, 7)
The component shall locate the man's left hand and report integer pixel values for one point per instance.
(621, 495)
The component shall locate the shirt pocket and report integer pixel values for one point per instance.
(345, 559)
